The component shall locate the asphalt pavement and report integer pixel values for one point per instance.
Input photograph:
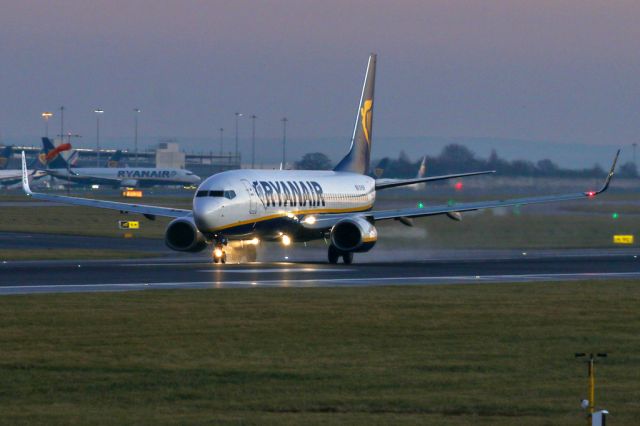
(454, 267)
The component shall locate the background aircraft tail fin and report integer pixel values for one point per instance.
(5, 156)
(378, 171)
(114, 160)
(357, 160)
(50, 156)
(422, 171)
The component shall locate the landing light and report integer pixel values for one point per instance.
(310, 220)
(254, 241)
(286, 240)
(217, 253)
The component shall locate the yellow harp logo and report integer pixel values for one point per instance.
(365, 113)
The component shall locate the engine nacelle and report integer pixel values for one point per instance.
(354, 234)
(183, 235)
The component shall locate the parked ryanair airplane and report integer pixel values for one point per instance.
(59, 168)
(9, 177)
(299, 205)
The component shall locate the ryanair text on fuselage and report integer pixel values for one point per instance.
(163, 174)
(289, 193)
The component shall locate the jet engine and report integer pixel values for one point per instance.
(183, 235)
(354, 235)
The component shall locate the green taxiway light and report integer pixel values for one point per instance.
(420, 205)
(615, 216)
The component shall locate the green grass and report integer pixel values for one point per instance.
(71, 254)
(488, 230)
(506, 228)
(446, 355)
(82, 221)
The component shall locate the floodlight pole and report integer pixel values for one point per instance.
(99, 112)
(46, 116)
(62, 122)
(284, 142)
(238, 115)
(221, 140)
(253, 141)
(136, 111)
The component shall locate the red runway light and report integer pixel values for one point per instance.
(458, 186)
(591, 194)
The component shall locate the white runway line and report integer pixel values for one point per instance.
(270, 270)
(430, 280)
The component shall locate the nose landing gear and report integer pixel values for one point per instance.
(219, 255)
(335, 254)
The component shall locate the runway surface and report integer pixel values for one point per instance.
(20, 240)
(183, 273)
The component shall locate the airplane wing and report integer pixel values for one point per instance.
(328, 220)
(392, 183)
(149, 211)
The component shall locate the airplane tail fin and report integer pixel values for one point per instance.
(114, 160)
(73, 159)
(50, 156)
(422, 171)
(357, 160)
(378, 171)
(5, 156)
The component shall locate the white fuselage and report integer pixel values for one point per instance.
(128, 176)
(264, 203)
(10, 177)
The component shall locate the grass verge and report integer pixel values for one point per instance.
(448, 355)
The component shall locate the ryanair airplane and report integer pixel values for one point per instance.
(111, 175)
(299, 205)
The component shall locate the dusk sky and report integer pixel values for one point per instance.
(556, 71)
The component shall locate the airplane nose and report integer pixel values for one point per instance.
(207, 213)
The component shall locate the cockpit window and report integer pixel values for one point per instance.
(230, 194)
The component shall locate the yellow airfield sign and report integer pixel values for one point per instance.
(132, 193)
(623, 239)
(128, 224)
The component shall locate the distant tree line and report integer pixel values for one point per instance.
(456, 158)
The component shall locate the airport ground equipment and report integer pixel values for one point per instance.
(594, 418)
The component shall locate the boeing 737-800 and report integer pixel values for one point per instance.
(299, 205)
(141, 177)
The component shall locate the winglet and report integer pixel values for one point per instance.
(607, 180)
(25, 176)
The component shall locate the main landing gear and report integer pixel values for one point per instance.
(335, 254)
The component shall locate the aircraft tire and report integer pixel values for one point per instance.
(252, 254)
(347, 258)
(334, 254)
